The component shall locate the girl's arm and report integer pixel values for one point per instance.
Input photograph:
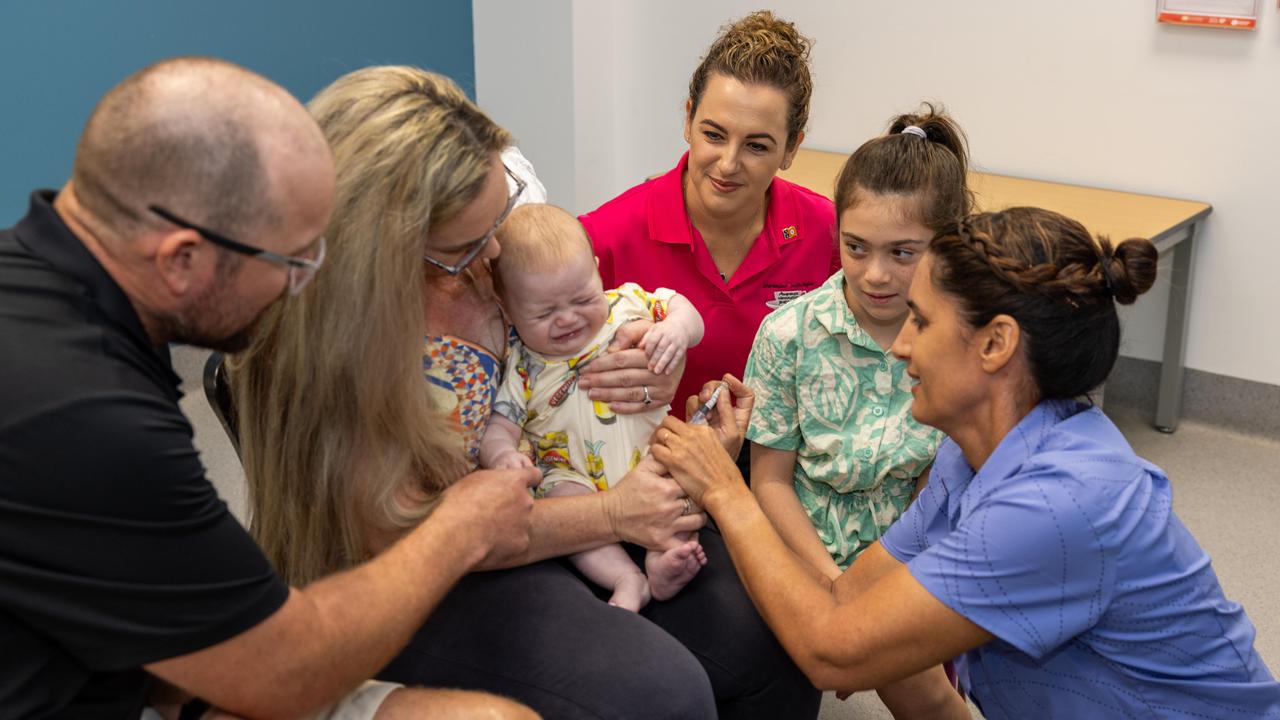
(498, 446)
(772, 482)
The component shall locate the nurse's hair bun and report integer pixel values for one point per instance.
(1129, 270)
(763, 49)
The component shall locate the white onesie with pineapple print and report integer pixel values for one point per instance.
(573, 438)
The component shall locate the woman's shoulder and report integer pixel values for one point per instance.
(1083, 439)
(1083, 466)
(808, 201)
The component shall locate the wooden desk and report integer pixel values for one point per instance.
(1170, 224)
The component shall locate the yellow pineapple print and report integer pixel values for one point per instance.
(595, 465)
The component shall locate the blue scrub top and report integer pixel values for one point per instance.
(1065, 547)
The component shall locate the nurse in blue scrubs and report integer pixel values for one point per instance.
(1043, 555)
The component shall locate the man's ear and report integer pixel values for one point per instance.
(1000, 341)
(789, 156)
(179, 261)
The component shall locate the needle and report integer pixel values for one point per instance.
(700, 415)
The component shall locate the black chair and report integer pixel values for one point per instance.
(218, 392)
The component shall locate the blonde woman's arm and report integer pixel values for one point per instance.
(645, 508)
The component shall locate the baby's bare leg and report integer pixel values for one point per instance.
(408, 703)
(608, 565)
(368, 702)
(670, 570)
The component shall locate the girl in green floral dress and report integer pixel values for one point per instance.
(835, 453)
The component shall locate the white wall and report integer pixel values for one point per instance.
(1092, 92)
(524, 80)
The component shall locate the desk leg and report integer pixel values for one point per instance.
(1169, 400)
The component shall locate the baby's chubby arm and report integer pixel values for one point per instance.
(498, 447)
(666, 342)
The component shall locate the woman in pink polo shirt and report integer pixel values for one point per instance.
(720, 228)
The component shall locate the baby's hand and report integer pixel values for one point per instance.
(665, 344)
(511, 460)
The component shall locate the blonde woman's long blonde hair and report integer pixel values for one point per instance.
(336, 426)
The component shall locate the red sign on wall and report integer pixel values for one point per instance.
(1230, 14)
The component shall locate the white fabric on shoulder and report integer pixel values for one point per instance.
(519, 165)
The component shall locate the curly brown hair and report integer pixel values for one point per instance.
(761, 48)
(1059, 283)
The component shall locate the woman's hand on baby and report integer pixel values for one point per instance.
(648, 509)
(665, 346)
(621, 376)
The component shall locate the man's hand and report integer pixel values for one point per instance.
(621, 376)
(648, 509)
(492, 510)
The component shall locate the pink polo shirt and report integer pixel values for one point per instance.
(645, 236)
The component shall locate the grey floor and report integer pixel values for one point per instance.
(1225, 491)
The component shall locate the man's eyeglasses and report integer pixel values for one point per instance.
(301, 269)
(475, 247)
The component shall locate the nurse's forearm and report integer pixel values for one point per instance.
(892, 630)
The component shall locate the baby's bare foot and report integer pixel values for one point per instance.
(671, 570)
(631, 591)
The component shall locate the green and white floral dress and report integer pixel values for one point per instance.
(826, 390)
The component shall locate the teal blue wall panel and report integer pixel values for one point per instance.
(57, 57)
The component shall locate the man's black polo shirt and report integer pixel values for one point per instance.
(115, 551)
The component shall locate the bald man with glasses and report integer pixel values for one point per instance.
(198, 198)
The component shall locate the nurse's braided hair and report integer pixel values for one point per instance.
(1058, 282)
(764, 49)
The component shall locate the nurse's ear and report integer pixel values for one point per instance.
(999, 342)
(688, 121)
